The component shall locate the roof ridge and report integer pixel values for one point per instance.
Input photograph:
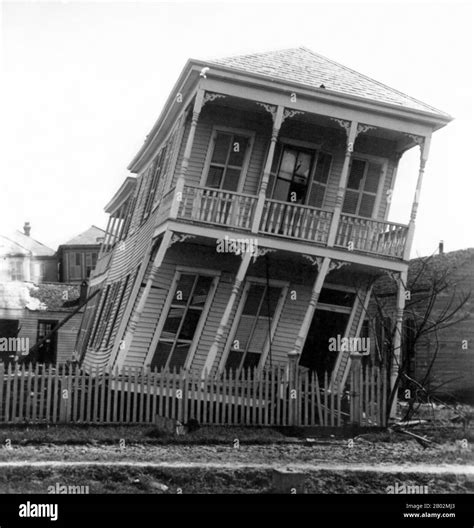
(414, 99)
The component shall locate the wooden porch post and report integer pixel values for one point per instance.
(277, 121)
(397, 339)
(424, 152)
(239, 278)
(351, 137)
(136, 315)
(308, 317)
(198, 104)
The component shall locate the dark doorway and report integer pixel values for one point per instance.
(8, 328)
(316, 354)
(47, 351)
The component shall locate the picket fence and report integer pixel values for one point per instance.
(270, 397)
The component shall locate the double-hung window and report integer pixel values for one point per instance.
(227, 160)
(255, 326)
(187, 306)
(362, 188)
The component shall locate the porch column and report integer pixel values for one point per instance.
(277, 121)
(424, 152)
(308, 317)
(198, 104)
(351, 137)
(136, 315)
(103, 247)
(397, 338)
(239, 278)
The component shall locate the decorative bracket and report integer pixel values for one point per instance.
(419, 140)
(346, 125)
(287, 113)
(315, 261)
(336, 264)
(361, 128)
(261, 252)
(211, 96)
(271, 109)
(180, 237)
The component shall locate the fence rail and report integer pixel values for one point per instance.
(268, 397)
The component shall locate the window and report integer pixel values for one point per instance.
(75, 266)
(91, 261)
(320, 180)
(254, 326)
(292, 178)
(97, 320)
(227, 161)
(116, 311)
(16, 270)
(362, 187)
(177, 335)
(156, 171)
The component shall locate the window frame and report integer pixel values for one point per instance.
(317, 150)
(183, 270)
(210, 151)
(367, 158)
(249, 281)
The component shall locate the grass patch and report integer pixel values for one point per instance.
(24, 435)
(107, 480)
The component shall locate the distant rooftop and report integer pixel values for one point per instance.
(90, 237)
(17, 243)
(303, 66)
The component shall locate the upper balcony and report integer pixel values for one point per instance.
(236, 212)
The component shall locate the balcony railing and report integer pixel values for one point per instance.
(283, 219)
(218, 207)
(295, 221)
(371, 236)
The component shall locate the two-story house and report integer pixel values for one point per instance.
(258, 218)
(77, 257)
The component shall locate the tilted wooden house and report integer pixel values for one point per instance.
(257, 219)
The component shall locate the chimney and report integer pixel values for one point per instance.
(441, 247)
(27, 228)
(83, 291)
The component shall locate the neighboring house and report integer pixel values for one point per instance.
(23, 258)
(443, 359)
(258, 220)
(78, 257)
(30, 312)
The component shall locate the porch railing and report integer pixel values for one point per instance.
(371, 236)
(215, 206)
(295, 221)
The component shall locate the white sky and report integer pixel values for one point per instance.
(82, 84)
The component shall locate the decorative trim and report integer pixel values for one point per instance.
(346, 125)
(361, 128)
(315, 261)
(211, 96)
(261, 252)
(287, 113)
(419, 140)
(271, 109)
(336, 264)
(179, 237)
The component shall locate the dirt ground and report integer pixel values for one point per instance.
(230, 460)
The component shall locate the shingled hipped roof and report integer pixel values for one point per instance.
(90, 237)
(303, 66)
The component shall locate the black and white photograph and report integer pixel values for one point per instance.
(236, 260)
